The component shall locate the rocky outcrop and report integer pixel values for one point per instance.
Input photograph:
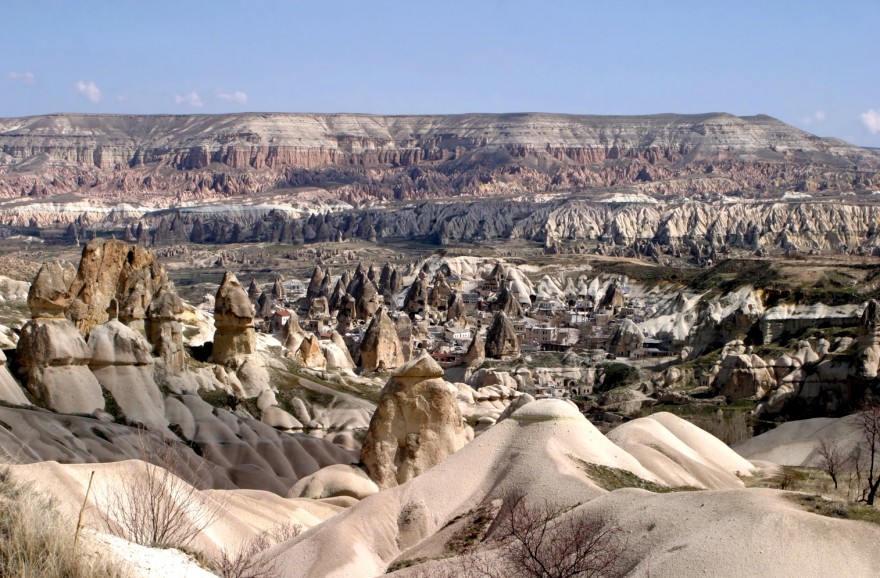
(234, 321)
(49, 294)
(380, 347)
(626, 339)
(614, 297)
(310, 354)
(53, 358)
(476, 351)
(417, 424)
(744, 375)
(417, 296)
(456, 310)
(165, 332)
(114, 270)
(868, 351)
(501, 339)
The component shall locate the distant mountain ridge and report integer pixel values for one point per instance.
(367, 157)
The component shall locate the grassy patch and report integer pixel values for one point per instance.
(401, 564)
(836, 508)
(477, 522)
(611, 479)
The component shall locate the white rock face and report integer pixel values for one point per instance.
(121, 361)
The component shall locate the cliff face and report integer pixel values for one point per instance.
(362, 157)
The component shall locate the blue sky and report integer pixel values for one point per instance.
(813, 64)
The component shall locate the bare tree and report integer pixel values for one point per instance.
(544, 540)
(868, 420)
(832, 458)
(154, 504)
(249, 560)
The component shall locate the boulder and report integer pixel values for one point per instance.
(380, 347)
(416, 425)
(49, 294)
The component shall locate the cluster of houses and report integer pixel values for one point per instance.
(446, 312)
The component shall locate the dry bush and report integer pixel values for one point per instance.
(35, 540)
(248, 561)
(154, 505)
(536, 540)
(868, 420)
(832, 459)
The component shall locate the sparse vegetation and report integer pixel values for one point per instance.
(545, 540)
(611, 479)
(35, 541)
(249, 560)
(836, 508)
(154, 505)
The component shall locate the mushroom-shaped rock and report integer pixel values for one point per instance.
(121, 361)
(501, 339)
(626, 339)
(417, 424)
(164, 331)
(380, 347)
(53, 358)
(234, 320)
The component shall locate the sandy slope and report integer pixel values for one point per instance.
(536, 450)
(796, 443)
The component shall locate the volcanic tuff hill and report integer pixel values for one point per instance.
(363, 157)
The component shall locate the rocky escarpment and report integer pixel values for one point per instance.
(407, 157)
(650, 228)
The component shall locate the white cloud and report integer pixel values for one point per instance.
(191, 99)
(121, 98)
(238, 96)
(89, 90)
(818, 116)
(871, 120)
(22, 77)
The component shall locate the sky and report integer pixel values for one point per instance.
(815, 65)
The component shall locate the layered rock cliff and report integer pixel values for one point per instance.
(361, 157)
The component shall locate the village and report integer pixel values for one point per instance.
(464, 319)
